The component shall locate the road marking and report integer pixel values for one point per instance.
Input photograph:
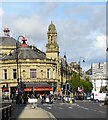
(49, 107)
(89, 109)
(70, 107)
(102, 112)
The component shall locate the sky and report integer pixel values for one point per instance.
(81, 26)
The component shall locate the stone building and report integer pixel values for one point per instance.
(99, 75)
(41, 72)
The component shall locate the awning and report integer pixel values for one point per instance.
(43, 89)
(39, 89)
(5, 90)
(27, 89)
(38, 86)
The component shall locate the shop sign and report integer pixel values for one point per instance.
(28, 89)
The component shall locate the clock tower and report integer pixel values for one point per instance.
(52, 48)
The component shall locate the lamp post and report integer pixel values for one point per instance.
(66, 75)
(107, 66)
(81, 58)
(17, 62)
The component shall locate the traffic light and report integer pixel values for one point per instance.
(64, 87)
(68, 86)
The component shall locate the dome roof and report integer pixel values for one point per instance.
(7, 41)
(26, 53)
(52, 26)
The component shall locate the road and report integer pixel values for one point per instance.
(80, 109)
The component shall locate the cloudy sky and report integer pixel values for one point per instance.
(81, 26)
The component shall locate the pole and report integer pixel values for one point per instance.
(79, 76)
(79, 70)
(66, 75)
(17, 62)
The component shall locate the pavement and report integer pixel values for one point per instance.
(27, 111)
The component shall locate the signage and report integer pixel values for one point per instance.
(43, 89)
(27, 89)
(39, 89)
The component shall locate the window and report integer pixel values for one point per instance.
(32, 73)
(14, 74)
(5, 73)
(53, 74)
(48, 73)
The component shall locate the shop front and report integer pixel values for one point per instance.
(37, 88)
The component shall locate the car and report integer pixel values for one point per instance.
(106, 99)
(66, 98)
(59, 98)
(88, 97)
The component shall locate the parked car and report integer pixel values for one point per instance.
(88, 97)
(66, 98)
(106, 99)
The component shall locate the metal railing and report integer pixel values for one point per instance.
(6, 112)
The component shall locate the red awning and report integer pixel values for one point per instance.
(39, 89)
(5, 90)
(43, 89)
(28, 89)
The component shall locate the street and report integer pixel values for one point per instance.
(80, 109)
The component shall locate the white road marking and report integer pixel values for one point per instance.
(49, 107)
(89, 109)
(70, 107)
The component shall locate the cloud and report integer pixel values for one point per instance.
(80, 27)
(1, 12)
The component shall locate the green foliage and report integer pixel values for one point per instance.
(74, 82)
(85, 84)
(103, 89)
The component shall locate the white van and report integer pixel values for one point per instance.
(99, 96)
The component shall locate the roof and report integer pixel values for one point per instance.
(7, 41)
(37, 84)
(52, 26)
(26, 53)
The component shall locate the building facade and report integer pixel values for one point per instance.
(23, 63)
(99, 76)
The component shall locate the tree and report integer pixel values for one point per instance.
(103, 89)
(74, 82)
(85, 84)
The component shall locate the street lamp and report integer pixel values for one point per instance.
(66, 75)
(17, 62)
(17, 57)
(107, 66)
(81, 58)
(66, 66)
